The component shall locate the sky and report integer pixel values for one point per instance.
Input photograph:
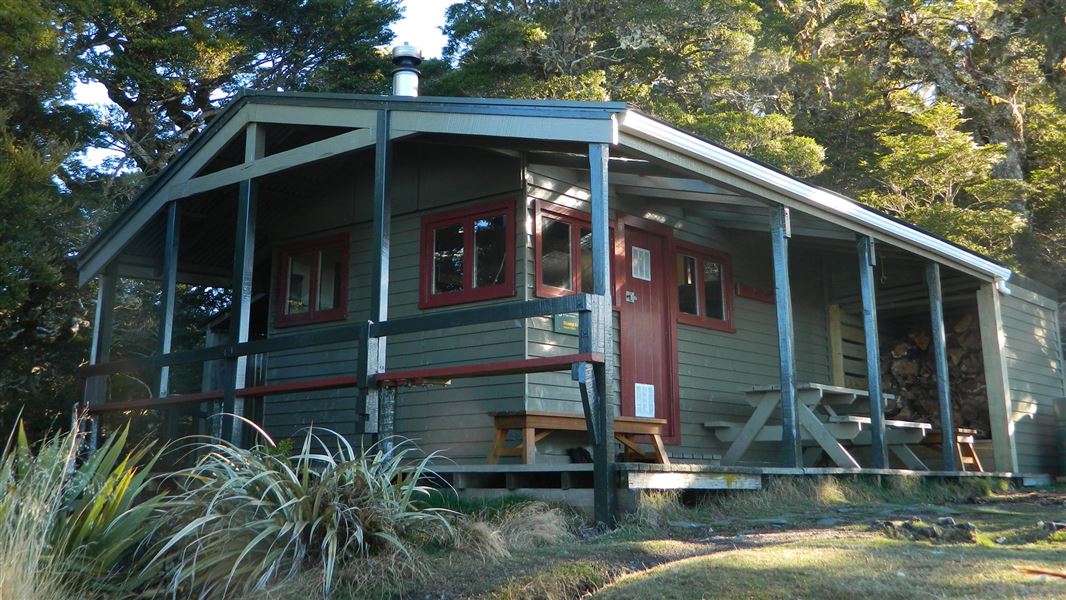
(420, 26)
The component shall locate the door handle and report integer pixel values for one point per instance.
(631, 297)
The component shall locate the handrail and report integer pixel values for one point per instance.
(352, 333)
(522, 309)
(333, 335)
(327, 383)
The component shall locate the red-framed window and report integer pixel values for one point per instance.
(562, 247)
(467, 255)
(312, 281)
(704, 287)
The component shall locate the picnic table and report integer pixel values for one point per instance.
(822, 427)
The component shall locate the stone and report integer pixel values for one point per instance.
(1052, 526)
(687, 525)
(946, 522)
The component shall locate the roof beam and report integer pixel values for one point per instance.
(315, 151)
(673, 194)
(539, 128)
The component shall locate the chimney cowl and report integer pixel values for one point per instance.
(405, 76)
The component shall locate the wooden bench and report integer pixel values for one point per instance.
(537, 425)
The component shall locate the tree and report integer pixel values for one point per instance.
(169, 66)
(42, 313)
(936, 176)
(692, 62)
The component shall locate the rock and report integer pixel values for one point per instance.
(828, 522)
(775, 522)
(966, 532)
(945, 522)
(687, 525)
(1052, 526)
(1001, 540)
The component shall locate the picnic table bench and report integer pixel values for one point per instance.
(537, 425)
(820, 425)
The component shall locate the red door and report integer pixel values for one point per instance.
(645, 326)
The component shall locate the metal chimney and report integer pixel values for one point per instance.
(405, 76)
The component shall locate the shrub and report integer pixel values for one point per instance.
(248, 518)
(66, 525)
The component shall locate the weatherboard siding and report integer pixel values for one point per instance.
(451, 419)
(1034, 371)
(714, 367)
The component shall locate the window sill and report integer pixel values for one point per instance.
(280, 323)
(477, 295)
(705, 323)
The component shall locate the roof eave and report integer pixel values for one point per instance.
(640, 125)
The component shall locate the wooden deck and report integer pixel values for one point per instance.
(680, 476)
(572, 483)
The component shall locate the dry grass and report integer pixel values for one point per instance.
(535, 525)
(656, 508)
(493, 535)
(381, 575)
(480, 540)
(28, 510)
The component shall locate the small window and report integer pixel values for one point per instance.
(312, 281)
(467, 255)
(704, 287)
(563, 251)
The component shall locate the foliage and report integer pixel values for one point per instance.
(693, 62)
(42, 314)
(76, 522)
(939, 178)
(28, 506)
(169, 66)
(247, 518)
(946, 113)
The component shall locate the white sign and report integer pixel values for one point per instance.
(641, 263)
(644, 400)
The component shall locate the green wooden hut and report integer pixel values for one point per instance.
(413, 266)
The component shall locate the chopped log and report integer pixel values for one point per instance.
(909, 373)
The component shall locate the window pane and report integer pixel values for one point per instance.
(713, 293)
(555, 253)
(448, 259)
(298, 297)
(687, 300)
(329, 279)
(586, 260)
(490, 251)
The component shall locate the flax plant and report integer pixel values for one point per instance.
(68, 527)
(244, 519)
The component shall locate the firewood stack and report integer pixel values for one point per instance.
(909, 373)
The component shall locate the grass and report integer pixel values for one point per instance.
(790, 497)
(737, 554)
(853, 567)
(28, 506)
(70, 527)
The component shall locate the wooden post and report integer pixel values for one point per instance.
(241, 305)
(990, 316)
(867, 262)
(100, 351)
(168, 287)
(378, 415)
(940, 358)
(780, 232)
(596, 333)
